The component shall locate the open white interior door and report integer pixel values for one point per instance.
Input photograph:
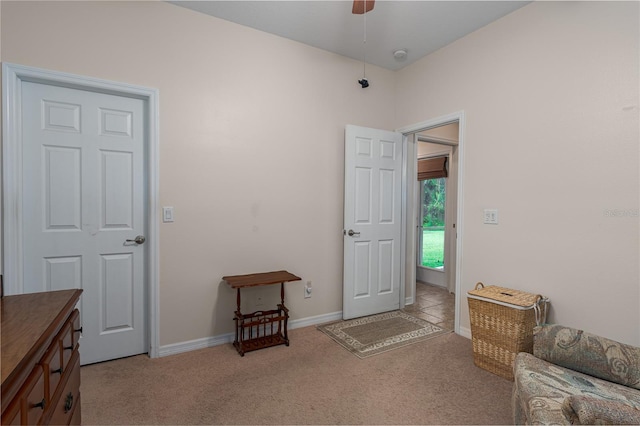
(372, 221)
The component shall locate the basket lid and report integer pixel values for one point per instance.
(505, 295)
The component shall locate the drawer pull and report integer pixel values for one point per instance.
(59, 371)
(68, 348)
(78, 330)
(42, 404)
(68, 403)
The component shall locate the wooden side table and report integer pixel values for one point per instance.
(260, 329)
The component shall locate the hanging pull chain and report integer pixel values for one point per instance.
(364, 43)
(364, 83)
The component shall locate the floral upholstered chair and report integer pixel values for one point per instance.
(574, 377)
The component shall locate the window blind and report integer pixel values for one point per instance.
(432, 168)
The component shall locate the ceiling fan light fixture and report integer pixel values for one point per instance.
(400, 55)
(362, 6)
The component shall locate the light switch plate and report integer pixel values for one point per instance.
(491, 216)
(167, 214)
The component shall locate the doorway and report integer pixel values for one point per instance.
(432, 230)
(436, 151)
(443, 136)
(435, 284)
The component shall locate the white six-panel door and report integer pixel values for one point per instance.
(372, 221)
(83, 197)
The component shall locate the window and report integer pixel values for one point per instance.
(433, 196)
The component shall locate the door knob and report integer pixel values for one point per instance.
(353, 233)
(140, 239)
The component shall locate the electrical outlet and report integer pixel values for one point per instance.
(307, 290)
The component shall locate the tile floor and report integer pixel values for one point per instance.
(434, 304)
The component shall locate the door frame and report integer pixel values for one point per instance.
(12, 260)
(409, 258)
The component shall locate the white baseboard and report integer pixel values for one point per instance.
(192, 345)
(315, 320)
(222, 339)
(208, 342)
(465, 332)
(409, 300)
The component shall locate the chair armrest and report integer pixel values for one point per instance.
(587, 353)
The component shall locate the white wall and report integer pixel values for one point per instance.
(251, 143)
(251, 134)
(551, 95)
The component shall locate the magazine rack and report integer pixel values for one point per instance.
(260, 329)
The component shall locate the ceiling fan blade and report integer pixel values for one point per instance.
(359, 6)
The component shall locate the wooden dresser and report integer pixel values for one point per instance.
(40, 358)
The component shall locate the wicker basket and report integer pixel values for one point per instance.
(502, 322)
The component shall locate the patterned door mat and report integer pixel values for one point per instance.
(368, 336)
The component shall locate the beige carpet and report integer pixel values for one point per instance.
(313, 381)
(380, 333)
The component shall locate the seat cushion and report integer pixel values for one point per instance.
(587, 410)
(540, 389)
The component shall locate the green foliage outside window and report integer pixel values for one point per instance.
(434, 198)
(433, 223)
(433, 249)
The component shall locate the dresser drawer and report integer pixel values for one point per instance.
(75, 327)
(34, 403)
(76, 417)
(52, 365)
(69, 399)
(66, 340)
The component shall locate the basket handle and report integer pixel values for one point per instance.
(540, 311)
(479, 285)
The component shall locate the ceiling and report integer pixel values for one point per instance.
(417, 26)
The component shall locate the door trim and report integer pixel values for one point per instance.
(12, 77)
(408, 131)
